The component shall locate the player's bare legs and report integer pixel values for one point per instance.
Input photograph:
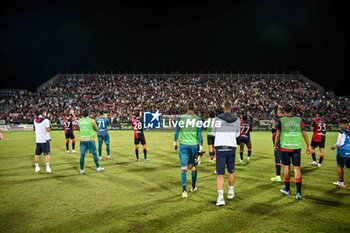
(36, 162)
(36, 159)
(220, 182)
(231, 179)
(47, 158)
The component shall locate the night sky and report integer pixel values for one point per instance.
(41, 38)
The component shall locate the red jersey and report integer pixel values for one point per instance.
(246, 128)
(320, 128)
(68, 124)
(137, 124)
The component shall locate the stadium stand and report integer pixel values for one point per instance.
(256, 95)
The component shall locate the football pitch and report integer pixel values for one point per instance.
(145, 196)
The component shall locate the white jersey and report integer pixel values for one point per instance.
(41, 124)
(229, 130)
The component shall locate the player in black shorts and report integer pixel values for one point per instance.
(139, 137)
(68, 130)
(244, 138)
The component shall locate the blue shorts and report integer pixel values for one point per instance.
(42, 148)
(187, 155)
(343, 161)
(102, 139)
(225, 157)
(295, 156)
(86, 146)
(211, 139)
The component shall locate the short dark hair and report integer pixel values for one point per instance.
(211, 113)
(227, 104)
(101, 112)
(288, 108)
(319, 113)
(42, 110)
(343, 121)
(190, 105)
(86, 113)
(245, 118)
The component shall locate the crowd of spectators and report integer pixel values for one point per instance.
(122, 95)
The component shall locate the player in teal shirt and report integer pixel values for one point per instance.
(191, 140)
(102, 134)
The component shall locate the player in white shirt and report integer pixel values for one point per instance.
(42, 128)
(225, 145)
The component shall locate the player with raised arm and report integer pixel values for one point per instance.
(102, 135)
(87, 128)
(244, 138)
(68, 130)
(139, 137)
(319, 128)
(191, 144)
(290, 130)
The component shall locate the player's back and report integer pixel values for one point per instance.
(320, 128)
(102, 123)
(246, 128)
(187, 129)
(41, 134)
(68, 124)
(137, 124)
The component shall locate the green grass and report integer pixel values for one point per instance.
(146, 196)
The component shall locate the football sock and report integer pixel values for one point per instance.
(183, 179)
(73, 144)
(249, 152)
(278, 169)
(221, 193)
(82, 159)
(298, 182)
(108, 149)
(212, 154)
(145, 153)
(96, 159)
(47, 164)
(287, 183)
(321, 159)
(241, 154)
(67, 144)
(341, 179)
(137, 154)
(230, 188)
(313, 156)
(194, 178)
(37, 165)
